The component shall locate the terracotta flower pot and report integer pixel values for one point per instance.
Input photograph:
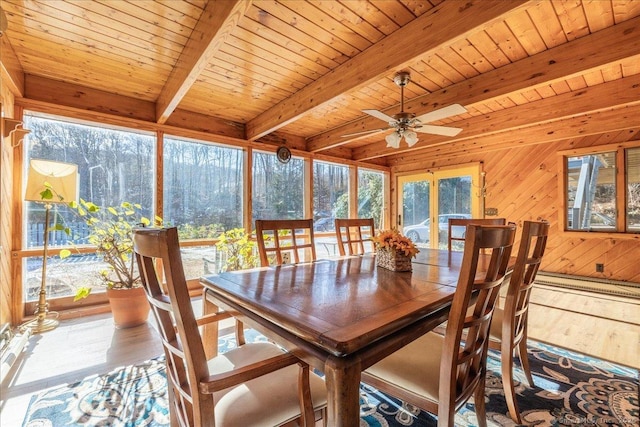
(129, 307)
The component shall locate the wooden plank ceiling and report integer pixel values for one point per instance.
(300, 72)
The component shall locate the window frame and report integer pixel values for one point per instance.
(620, 150)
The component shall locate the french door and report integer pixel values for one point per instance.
(426, 201)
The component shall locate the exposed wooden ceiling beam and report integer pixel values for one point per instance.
(544, 68)
(41, 88)
(217, 22)
(589, 124)
(449, 21)
(12, 73)
(615, 94)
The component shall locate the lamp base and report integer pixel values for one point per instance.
(42, 323)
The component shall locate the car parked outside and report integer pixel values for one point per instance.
(420, 232)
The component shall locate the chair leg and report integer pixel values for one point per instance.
(240, 340)
(478, 400)
(524, 361)
(508, 384)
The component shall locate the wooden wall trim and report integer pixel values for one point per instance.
(634, 143)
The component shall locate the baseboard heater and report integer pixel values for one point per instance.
(11, 347)
(589, 284)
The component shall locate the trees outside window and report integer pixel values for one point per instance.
(203, 183)
(278, 188)
(371, 196)
(114, 166)
(330, 194)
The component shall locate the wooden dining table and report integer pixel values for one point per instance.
(340, 315)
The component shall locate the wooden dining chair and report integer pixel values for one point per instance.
(509, 326)
(254, 384)
(279, 238)
(440, 373)
(352, 234)
(463, 222)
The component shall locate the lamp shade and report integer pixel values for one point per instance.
(62, 178)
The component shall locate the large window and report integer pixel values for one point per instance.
(114, 166)
(202, 188)
(330, 194)
(596, 199)
(278, 188)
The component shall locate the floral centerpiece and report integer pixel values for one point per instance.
(394, 251)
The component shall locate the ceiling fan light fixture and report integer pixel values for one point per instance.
(411, 137)
(393, 139)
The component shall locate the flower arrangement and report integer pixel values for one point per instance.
(392, 240)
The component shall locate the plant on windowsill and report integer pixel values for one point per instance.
(394, 251)
(111, 233)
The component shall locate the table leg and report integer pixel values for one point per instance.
(209, 332)
(343, 388)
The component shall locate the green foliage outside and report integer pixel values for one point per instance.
(239, 249)
(370, 201)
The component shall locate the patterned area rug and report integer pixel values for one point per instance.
(571, 390)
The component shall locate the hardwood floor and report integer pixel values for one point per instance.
(603, 326)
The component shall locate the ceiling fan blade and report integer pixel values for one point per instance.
(438, 130)
(364, 132)
(442, 113)
(379, 115)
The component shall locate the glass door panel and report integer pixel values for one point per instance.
(423, 213)
(414, 207)
(454, 201)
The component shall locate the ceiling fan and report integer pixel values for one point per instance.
(407, 124)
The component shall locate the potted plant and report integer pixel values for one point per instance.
(239, 249)
(111, 233)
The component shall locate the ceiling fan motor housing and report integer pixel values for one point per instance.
(402, 78)
(404, 118)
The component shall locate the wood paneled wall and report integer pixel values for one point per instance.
(523, 184)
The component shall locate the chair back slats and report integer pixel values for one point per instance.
(509, 334)
(463, 364)
(532, 247)
(185, 357)
(278, 236)
(352, 234)
(463, 222)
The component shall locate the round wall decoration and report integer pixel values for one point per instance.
(284, 154)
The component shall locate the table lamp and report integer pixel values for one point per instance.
(61, 179)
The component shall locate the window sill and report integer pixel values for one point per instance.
(599, 235)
